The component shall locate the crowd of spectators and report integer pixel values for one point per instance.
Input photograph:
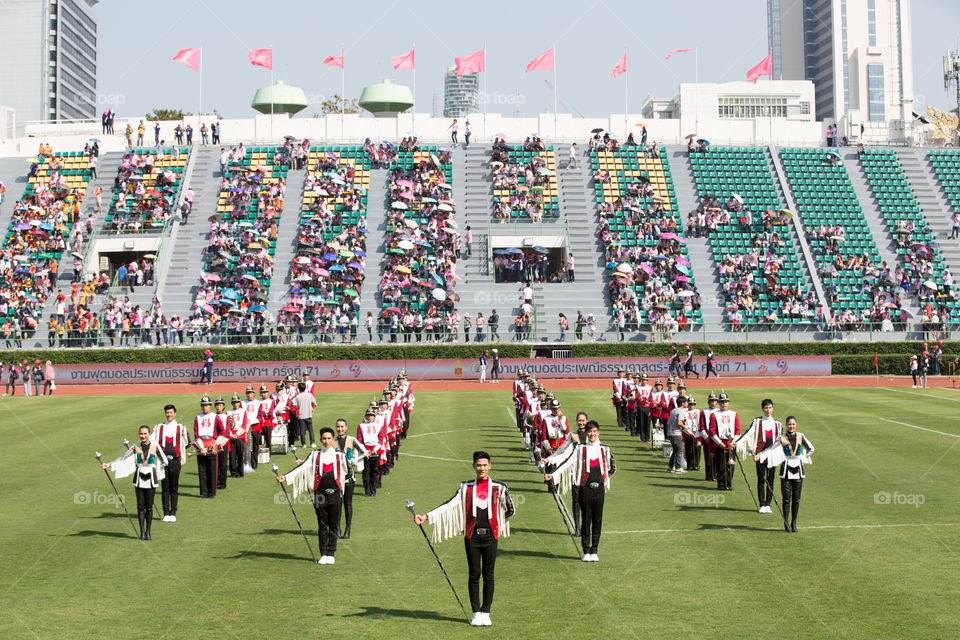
(145, 190)
(525, 182)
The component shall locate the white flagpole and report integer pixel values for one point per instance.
(413, 123)
(696, 90)
(626, 107)
(343, 90)
(200, 92)
(271, 93)
(555, 93)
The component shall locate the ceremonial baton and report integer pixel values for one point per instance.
(563, 510)
(156, 511)
(747, 482)
(275, 470)
(99, 458)
(409, 506)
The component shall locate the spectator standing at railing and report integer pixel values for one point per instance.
(141, 129)
(453, 129)
(469, 237)
(564, 324)
(570, 265)
(493, 322)
(204, 134)
(189, 132)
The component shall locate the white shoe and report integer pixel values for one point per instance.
(594, 558)
(331, 560)
(680, 471)
(173, 518)
(485, 620)
(477, 620)
(322, 560)
(165, 519)
(586, 557)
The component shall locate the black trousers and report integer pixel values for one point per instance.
(708, 465)
(371, 475)
(591, 506)
(348, 505)
(223, 456)
(306, 426)
(481, 559)
(790, 491)
(145, 509)
(170, 487)
(266, 435)
(236, 458)
(575, 498)
(764, 484)
(254, 448)
(724, 471)
(207, 468)
(710, 370)
(631, 419)
(643, 423)
(621, 415)
(692, 453)
(688, 368)
(327, 506)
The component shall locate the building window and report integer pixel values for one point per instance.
(872, 22)
(804, 108)
(752, 107)
(876, 107)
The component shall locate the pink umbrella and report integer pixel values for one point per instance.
(683, 261)
(210, 277)
(405, 183)
(673, 236)
(321, 272)
(406, 195)
(207, 308)
(683, 279)
(647, 268)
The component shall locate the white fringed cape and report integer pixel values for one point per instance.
(566, 463)
(449, 519)
(126, 465)
(775, 456)
(301, 477)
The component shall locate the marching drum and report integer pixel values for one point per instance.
(278, 441)
(263, 456)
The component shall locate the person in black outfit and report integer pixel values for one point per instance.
(590, 466)
(351, 447)
(145, 462)
(172, 438)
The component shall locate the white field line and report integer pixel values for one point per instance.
(414, 455)
(913, 426)
(919, 393)
(826, 526)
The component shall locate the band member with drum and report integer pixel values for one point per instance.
(206, 430)
(586, 465)
(479, 509)
(791, 452)
(764, 432)
(355, 452)
(325, 471)
(145, 462)
(724, 432)
(172, 438)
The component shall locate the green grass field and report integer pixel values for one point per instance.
(673, 562)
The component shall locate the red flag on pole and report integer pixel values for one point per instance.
(543, 62)
(669, 55)
(764, 68)
(470, 63)
(189, 57)
(334, 61)
(402, 62)
(621, 66)
(261, 58)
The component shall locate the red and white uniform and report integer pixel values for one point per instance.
(267, 414)
(656, 405)
(307, 475)
(691, 424)
(763, 433)
(252, 409)
(643, 393)
(208, 429)
(373, 436)
(554, 430)
(706, 415)
(619, 392)
(459, 514)
(668, 402)
(724, 427)
(237, 420)
(630, 394)
(173, 434)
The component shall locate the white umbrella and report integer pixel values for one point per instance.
(738, 198)
(626, 268)
(930, 284)
(411, 223)
(685, 294)
(405, 244)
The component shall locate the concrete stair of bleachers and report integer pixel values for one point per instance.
(13, 174)
(286, 249)
(376, 227)
(932, 201)
(179, 288)
(882, 236)
(702, 262)
(797, 229)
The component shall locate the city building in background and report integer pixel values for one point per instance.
(857, 53)
(461, 94)
(48, 59)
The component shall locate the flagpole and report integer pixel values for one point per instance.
(343, 90)
(272, 99)
(413, 121)
(485, 97)
(696, 90)
(626, 107)
(555, 94)
(200, 91)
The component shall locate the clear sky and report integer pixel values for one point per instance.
(138, 39)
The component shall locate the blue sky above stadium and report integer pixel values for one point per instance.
(138, 40)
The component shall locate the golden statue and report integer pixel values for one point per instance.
(944, 124)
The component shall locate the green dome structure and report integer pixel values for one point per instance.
(385, 100)
(279, 98)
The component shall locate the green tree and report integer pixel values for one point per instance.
(337, 104)
(167, 114)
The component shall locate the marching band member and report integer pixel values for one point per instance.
(724, 431)
(643, 394)
(371, 433)
(554, 428)
(267, 415)
(479, 509)
(172, 438)
(617, 398)
(692, 443)
(237, 422)
(519, 388)
(409, 401)
(631, 408)
(793, 450)
(144, 462)
(764, 431)
(704, 434)
(223, 442)
(657, 421)
(307, 382)
(251, 405)
(325, 471)
(586, 465)
(355, 453)
(206, 431)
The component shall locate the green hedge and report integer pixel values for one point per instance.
(848, 358)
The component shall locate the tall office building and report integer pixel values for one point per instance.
(461, 94)
(48, 59)
(858, 54)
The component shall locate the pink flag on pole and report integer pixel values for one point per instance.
(543, 62)
(764, 68)
(189, 57)
(261, 58)
(334, 61)
(669, 55)
(402, 62)
(470, 63)
(621, 66)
